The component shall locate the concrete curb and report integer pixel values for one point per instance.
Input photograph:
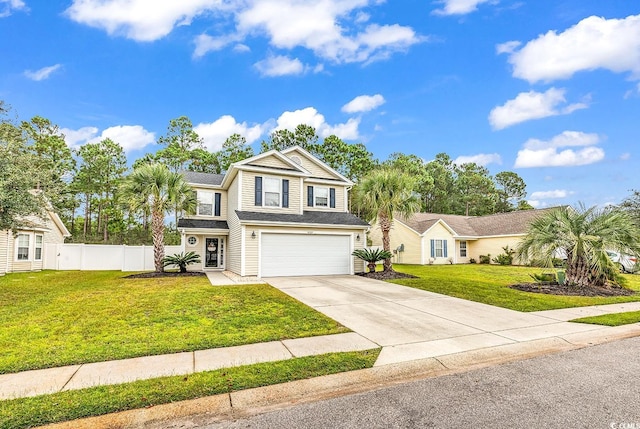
(263, 399)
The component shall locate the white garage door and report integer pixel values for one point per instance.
(304, 255)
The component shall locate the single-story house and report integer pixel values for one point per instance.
(279, 213)
(24, 250)
(430, 238)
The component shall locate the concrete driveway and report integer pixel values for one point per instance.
(413, 324)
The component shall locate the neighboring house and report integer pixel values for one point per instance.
(428, 238)
(25, 250)
(275, 214)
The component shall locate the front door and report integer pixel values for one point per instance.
(214, 252)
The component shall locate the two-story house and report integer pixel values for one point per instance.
(275, 214)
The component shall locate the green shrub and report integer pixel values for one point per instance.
(181, 260)
(505, 258)
(371, 257)
(543, 277)
(485, 259)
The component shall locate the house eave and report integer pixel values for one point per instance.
(302, 225)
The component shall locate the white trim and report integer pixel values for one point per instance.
(299, 224)
(194, 236)
(16, 246)
(205, 231)
(315, 196)
(264, 192)
(423, 261)
(35, 242)
(443, 223)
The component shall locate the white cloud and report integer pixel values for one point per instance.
(130, 137)
(310, 116)
(76, 138)
(535, 204)
(280, 65)
(459, 7)
(483, 159)
(363, 103)
(545, 195)
(141, 20)
(539, 153)
(532, 105)
(7, 7)
(625, 156)
(331, 29)
(593, 43)
(508, 47)
(42, 73)
(215, 133)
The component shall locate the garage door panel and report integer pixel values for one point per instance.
(300, 254)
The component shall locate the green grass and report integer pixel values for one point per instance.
(616, 319)
(489, 284)
(56, 318)
(70, 405)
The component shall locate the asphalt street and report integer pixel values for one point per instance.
(594, 387)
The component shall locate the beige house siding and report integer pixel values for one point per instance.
(438, 232)
(248, 194)
(234, 243)
(340, 198)
(223, 204)
(312, 167)
(399, 234)
(4, 250)
(271, 161)
(492, 246)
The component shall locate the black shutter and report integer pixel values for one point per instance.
(285, 193)
(310, 196)
(258, 201)
(218, 198)
(332, 198)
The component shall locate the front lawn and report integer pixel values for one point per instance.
(489, 284)
(56, 318)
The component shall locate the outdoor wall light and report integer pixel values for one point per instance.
(358, 237)
(253, 234)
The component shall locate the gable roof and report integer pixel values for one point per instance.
(316, 161)
(511, 223)
(203, 178)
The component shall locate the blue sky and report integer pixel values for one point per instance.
(549, 89)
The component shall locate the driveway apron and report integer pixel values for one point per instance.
(414, 324)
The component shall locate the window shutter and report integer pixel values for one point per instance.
(444, 248)
(433, 248)
(285, 193)
(310, 196)
(258, 201)
(332, 198)
(218, 200)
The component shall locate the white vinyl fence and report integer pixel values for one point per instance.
(89, 257)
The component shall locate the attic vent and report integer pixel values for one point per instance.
(296, 159)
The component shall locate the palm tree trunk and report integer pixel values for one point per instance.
(578, 272)
(385, 227)
(157, 227)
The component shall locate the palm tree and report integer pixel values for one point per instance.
(584, 236)
(381, 194)
(155, 187)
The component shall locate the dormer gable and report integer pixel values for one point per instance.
(316, 168)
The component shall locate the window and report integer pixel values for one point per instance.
(192, 241)
(209, 203)
(438, 248)
(205, 203)
(22, 253)
(38, 248)
(271, 192)
(463, 249)
(321, 197)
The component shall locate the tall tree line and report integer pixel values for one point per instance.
(84, 184)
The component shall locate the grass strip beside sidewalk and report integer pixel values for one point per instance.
(616, 319)
(95, 401)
